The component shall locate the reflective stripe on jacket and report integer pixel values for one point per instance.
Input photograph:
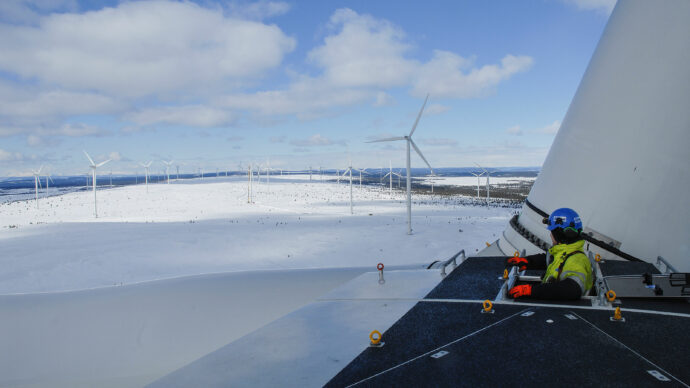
(577, 267)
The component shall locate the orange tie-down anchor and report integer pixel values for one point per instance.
(488, 307)
(610, 295)
(375, 339)
(617, 316)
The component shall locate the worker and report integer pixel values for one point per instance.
(568, 270)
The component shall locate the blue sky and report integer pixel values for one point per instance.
(211, 84)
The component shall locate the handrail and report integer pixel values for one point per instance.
(452, 260)
(669, 267)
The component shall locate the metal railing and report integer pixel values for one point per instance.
(453, 261)
(669, 267)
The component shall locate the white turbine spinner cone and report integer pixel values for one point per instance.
(620, 158)
(411, 143)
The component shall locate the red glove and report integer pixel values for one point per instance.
(520, 291)
(521, 261)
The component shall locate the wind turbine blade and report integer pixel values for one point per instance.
(102, 163)
(481, 167)
(39, 169)
(90, 160)
(421, 156)
(148, 164)
(419, 116)
(387, 139)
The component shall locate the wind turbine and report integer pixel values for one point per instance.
(390, 178)
(249, 183)
(410, 142)
(146, 173)
(349, 169)
(37, 182)
(361, 170)
(477, 175)
(167, 167)
(94, 166)
(48, 176)
(488, 175)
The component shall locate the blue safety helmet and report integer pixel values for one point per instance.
(564, 218)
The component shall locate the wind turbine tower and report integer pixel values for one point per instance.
(349, 170)
(410, 142)
(146, 173)
(167, 167)
(94, 166)
(488, 175)
(477, 175)
(37, 182)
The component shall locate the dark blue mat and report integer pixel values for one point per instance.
(475, 278)
(521, 351)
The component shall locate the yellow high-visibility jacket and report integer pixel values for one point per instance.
(577, 267)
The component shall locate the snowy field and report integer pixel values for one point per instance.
(207, 226)
(162, 278)
(472, 181)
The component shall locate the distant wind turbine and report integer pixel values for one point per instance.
(361, 170)
(146, 173)
(390, 178)
(488, 175)
(37, 182)
(410, 142)
(167, 167)
(349, 170)
(477, 175)
(48, 177)
(94, 166)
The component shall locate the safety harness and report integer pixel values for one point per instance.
(560, 267)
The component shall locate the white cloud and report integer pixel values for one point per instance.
(317, 141)
(435, 109)
(550, 129)
(142, 48)
(259, 10)
(77, 130)
(365, 52)
(27, 106)
(7, 156)
(447, 75)
(514, 130)
(307, 98)
(114, 156)
(29, 11)
(384, 99)
(363, 55)
(438, 142)
(602, 6)
(191, 115)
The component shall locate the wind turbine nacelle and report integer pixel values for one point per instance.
(620, 158)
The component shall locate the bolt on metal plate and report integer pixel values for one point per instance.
(439, 354)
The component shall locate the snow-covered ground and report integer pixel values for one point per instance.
(125, 327)
(472, 181)
(207, 226)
